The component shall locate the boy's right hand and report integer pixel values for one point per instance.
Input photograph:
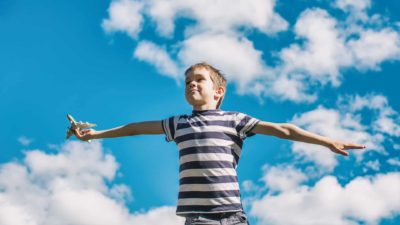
(84, 135)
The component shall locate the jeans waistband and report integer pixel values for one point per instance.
(219, 215)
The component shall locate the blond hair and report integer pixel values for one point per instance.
(216, 76)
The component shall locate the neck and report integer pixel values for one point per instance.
(204, 107)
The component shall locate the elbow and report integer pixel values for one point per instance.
(287, 130)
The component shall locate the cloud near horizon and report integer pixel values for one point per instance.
(72, 186)
(365, 199)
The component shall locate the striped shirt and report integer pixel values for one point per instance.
(210, 143)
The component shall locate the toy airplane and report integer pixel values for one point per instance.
(80, 125)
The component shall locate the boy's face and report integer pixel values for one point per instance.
(199, 89)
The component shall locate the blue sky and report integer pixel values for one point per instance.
(327, 66)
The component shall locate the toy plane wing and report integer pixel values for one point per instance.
(80, 125)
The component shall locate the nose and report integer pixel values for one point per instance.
(192, 84)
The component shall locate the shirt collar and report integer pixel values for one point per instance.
(206, 112)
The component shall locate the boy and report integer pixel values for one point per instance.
(210, 142)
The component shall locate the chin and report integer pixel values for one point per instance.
(196, 103)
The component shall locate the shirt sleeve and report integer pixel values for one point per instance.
(245, 124)
(169, 127)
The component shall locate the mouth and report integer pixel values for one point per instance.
(192, 90)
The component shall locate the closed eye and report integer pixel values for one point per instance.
(197, 80)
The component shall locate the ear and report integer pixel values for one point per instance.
(219, 92)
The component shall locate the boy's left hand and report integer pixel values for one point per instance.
(342, 147)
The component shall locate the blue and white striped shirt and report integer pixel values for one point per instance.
(210, 143)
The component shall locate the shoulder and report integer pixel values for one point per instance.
(178, 116)
(236, 114)
(227, 113)
(173, 120)
(233, 112)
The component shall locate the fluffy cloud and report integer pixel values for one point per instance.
(324, 46)
(337, 125)
(356, 8)
(282, 178)
(258, 14)
(221, 43)
(289, 87)
(374, 165)
(346, 124)
(125, 16)
(237, 56)
(165, 214)
(387, 119)
(324, 51)
(25, 141)
(69, 187)
(374, 47)
(394, 162)
(364, 199)
(353, 4)
(149, 52)
(331, 46)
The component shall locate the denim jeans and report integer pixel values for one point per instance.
(235, 218)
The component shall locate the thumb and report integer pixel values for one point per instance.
(86, 131)
(77, 133)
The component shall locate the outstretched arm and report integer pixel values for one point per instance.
(147, 127)
(292, 132)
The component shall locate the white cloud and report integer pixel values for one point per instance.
(162, 215)
(348, 124)
(150, 52)
(324, 51)
(85, 207)
(121, 193)
(282, 178)
(374, 165)
(25, 141)
(331, 46)
(290, 88)
(221, 43)
(353, 4)
(387, 120)
(338, 126)
(249, 186)
(127, 15)
(124, 16)
(374, 47)
(388, 125)
(235, 56)
(357, 9)
(323, 48)
(70, 187)
(394, 162)
(371, 101)
(328, 46)
(364, 199)
(208, 16)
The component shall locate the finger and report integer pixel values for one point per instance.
(354, 146)
(344, 153)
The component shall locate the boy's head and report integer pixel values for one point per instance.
(205, 85)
